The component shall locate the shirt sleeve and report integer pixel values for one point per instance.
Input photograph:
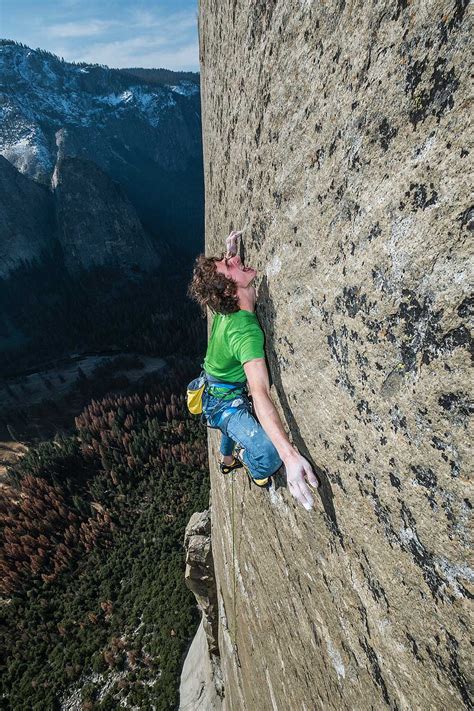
(248, 344)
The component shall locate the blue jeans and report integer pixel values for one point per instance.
(235, 420)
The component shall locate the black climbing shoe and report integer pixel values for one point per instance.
(227, 468)
(261, 483)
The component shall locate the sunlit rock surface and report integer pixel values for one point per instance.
(201, 680)
(335, 135)
(197, 691)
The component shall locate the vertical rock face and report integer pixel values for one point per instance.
(26, 218)
(97, 224)
(335, 134)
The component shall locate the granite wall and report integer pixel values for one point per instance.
(336, 135)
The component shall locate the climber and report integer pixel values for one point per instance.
(234, 364)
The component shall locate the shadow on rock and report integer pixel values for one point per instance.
(266, 314)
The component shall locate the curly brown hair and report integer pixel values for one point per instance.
(208, 287)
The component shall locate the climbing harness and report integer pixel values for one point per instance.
(219, 389)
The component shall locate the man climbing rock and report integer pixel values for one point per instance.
(234, 365)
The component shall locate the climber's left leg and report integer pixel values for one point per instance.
(238, 425)
(213, 410)
(227, 446)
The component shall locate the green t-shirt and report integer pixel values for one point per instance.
(235, 339)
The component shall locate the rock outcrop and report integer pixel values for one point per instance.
(26, 218)
(201, 682)
(336, 135)
(199, 576)
(197, 690)
(97, 224)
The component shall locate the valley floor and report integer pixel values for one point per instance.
(61, 390)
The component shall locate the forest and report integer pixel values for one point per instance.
(94, 603)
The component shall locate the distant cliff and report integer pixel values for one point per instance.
(26, 218)
(336, 135)
(97, 224)
(86, 214)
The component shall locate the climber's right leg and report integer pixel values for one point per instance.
(227, 446)
(258, 453)
(229, 462)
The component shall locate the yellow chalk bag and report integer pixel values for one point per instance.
(195, 392)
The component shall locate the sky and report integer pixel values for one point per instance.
(119, 33)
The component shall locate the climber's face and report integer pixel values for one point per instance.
(233, 268)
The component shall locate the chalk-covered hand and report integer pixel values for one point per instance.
(299, 473)
(231, 243)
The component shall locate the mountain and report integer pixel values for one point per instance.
(86, 213)
(101, 183)
(143, 134)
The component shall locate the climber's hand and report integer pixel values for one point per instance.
(298, 472)
(231, 243)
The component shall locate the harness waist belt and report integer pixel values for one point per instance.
(217, 387)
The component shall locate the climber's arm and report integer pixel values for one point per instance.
(298, 469)
(259, 386)
(231, 243)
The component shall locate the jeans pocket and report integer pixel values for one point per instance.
(210, 408)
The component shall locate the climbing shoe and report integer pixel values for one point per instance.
(227, 468)
(262, 483)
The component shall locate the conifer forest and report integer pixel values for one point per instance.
(95, 611)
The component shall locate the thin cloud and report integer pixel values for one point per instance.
(131, 37)
(140, 52)
(81, 29)
(139, 20)
(178, 21)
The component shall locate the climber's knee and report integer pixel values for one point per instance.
(261, 455)
(267, 460)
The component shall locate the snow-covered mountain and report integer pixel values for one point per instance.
(144, 135)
